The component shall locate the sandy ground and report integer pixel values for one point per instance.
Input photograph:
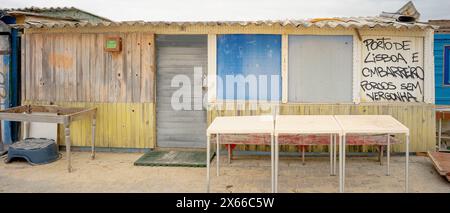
(114, 172)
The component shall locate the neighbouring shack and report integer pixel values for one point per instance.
(442, 77)
(133, 72)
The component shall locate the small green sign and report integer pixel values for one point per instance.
(111, 44)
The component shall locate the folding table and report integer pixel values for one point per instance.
(263, 124)
(306, 125)
(370, 124)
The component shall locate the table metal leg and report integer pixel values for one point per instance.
(272, 161)
(93, 139)
(380, 154)
(217, 153)
(388, 154)
(331, 154)
(343, 162)
(340, 164)
(208, 161)
(334, 154)
(277, 160)
(67, 140)
(407, 164)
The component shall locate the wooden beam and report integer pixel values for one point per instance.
(358, 34)
(88, 113)
(64, 115)
(18, 109)
(54, 109)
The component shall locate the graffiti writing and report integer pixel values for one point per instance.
(415, 72)
(392, 70)
(386, 44)
(392, 96)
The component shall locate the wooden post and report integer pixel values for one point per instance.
(303, 154)
(26, 132)
(380, 154)
(67, 140)
(93, 139)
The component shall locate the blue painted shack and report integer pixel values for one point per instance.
(442, 61)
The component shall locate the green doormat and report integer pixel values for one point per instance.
(173, 158)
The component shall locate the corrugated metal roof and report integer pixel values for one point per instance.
(53, 9)
(16, 12)
(352, 22)
(41, 9)
(444, 25)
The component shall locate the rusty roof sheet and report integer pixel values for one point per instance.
(50, 9)
(444, 25)
(352, 22)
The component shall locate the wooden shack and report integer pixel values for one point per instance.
(369, 65)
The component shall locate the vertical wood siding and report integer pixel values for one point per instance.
(73, 70)
(74, 67)
(419, 118)
(119, 125)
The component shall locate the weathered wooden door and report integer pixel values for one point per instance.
(180, 117)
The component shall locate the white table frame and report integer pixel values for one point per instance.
(299, 130)
(210, 132)
(344, 130)
(388, 132)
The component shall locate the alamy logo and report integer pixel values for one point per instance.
(191, 93)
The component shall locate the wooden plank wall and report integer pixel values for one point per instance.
(73, 70)
(74, 67)
(420, 118)
(119, 125)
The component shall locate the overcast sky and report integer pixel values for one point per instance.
(213, 10)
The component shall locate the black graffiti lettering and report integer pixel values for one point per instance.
(386, 62)
(385, 44)
(404, 45)
(415, 57)
(408, 72)
(374, 58)
(392, 96)
(411, 87)
(417, 71)
(366, 85)
(374, 44)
